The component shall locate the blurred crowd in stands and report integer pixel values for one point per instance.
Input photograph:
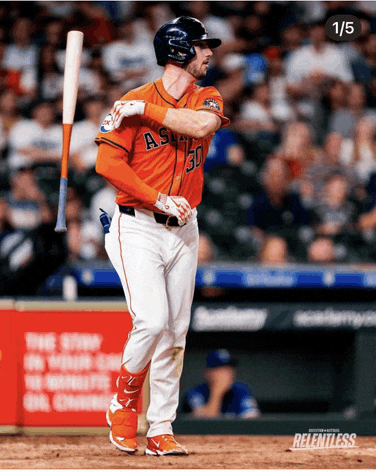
(292, 180)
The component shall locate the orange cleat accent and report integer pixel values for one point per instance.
(165, 445)
(122, 414)
(123, 424)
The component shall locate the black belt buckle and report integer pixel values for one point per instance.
(127, 210)
(166, 220)
(173, 221)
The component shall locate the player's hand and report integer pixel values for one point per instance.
(221, 380)
(126, 108)
(175, 206)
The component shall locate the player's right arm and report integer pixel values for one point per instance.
(112, 166)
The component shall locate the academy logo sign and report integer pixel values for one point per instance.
(332, 318)
(323, 439)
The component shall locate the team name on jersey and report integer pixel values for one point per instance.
(164, 137)
(194, 157)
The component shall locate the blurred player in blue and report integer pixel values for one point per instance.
(220, 395)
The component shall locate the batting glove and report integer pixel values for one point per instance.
(127, 108)
(175, 206)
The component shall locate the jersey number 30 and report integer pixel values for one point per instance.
(195, 159)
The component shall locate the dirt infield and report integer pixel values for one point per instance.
(206, 452)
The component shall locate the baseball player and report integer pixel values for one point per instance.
(221, 394)
(152, 148)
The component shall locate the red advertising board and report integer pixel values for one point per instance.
(68, 358)
(8, 369)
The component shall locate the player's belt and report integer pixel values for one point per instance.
(159, 218)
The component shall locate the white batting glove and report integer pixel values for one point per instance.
(127, 108)
(175, 206)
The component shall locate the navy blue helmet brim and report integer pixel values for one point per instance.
(211, 42)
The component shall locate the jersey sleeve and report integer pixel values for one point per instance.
(211, 100)
(112, 165)
(248, 407)
(194, 399)
(123, 136)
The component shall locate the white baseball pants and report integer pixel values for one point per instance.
(157, 268)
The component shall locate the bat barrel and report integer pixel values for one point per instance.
(71, 74)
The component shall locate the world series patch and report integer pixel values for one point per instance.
(108, 124)
(211, 103)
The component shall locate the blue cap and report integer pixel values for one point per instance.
(219, 358)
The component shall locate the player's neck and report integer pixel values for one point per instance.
(176, 80)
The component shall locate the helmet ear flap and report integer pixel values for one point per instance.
(180, 51)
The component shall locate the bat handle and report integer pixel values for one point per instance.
(60, 222)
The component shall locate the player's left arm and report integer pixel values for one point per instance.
(197, 123)
(193, 123)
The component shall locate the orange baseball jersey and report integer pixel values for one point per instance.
(170, 163)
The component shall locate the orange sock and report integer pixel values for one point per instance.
(130, 386)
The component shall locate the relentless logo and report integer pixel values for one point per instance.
(211, 103)
(108, 124)
(323, 439)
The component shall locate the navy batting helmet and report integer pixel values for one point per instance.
(174, 41)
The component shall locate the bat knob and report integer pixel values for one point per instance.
(60, 229)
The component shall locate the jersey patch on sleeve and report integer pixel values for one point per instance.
(212, 103)
(108, 124)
